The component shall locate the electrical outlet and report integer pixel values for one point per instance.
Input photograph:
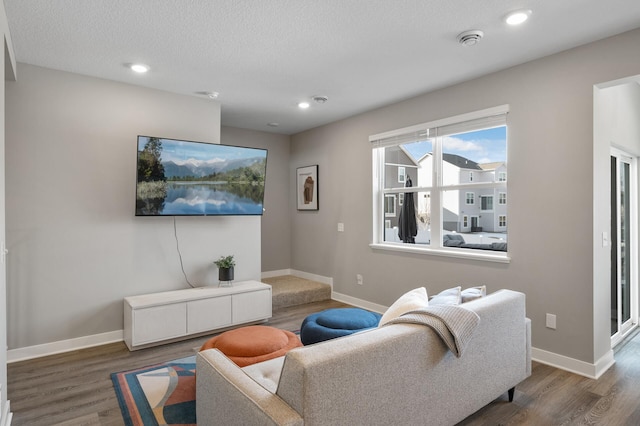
(359, 279)
(551, 321)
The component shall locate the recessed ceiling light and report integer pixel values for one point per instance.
(273, 124)
(303, 105)
(213, 95)
(139, 68)
(517, 17)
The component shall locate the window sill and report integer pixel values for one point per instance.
(482, 255)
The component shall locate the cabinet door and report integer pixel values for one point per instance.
(208, 314)
(159, 323)
(251, 306)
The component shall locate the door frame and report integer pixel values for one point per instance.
(624, 328)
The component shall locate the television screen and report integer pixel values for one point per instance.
(185, 178)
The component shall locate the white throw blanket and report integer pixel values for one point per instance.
(454, 324)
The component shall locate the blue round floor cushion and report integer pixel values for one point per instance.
(336, 322)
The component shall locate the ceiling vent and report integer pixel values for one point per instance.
(470, 38)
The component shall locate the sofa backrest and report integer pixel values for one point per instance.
(398, 373)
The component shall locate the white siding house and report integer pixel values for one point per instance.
(468, 210)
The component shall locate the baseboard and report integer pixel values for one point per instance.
(358, 302)
(592, 371)
(278, 273)
(301, 274)
(37, 351)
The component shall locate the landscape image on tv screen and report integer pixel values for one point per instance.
(184, 178)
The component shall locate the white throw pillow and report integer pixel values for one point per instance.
(473, 293)
(450, 296)
(410, 301)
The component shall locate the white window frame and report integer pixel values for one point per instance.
(465, 122)
(402, 174)
(393, 213)
(470, 198)
(502, 221)
(481, 203)
(465, 222)
(502, 176)
(502, 198)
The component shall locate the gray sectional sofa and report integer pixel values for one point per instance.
(399, 374)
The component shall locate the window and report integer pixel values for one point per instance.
(458, 160)
(401, 174)
(400, 199)
(486, 202)
(470, 198)
(390, 205)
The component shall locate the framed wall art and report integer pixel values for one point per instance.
(307, 187)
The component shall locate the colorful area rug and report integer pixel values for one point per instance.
(161, 394)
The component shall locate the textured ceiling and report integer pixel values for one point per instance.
(265, 56)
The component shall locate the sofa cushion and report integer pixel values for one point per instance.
(473, 293)
(410, 301)
(266, 373)
(450, 296)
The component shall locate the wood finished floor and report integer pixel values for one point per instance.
(74, 388)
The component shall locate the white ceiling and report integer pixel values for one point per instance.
(265, 56)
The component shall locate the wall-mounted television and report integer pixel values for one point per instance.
(186, 178)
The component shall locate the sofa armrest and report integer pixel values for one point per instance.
(223, 390)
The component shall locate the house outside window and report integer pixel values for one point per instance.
(454, 160)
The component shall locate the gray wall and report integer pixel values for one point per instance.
(551, 235)
(276, 227)
(76, 248)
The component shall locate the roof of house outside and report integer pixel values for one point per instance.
(491, 166)
(459, 161)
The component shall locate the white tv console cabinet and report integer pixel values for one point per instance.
(152, 319)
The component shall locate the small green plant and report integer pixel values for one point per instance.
(225, 262)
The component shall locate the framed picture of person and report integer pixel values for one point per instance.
(307, 187)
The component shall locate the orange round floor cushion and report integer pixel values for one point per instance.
(252, 344)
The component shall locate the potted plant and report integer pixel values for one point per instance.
(225, 267)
